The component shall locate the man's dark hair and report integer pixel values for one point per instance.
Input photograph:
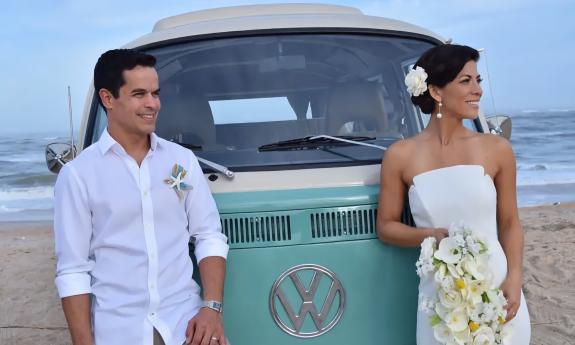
(108, 73)
(442, 64)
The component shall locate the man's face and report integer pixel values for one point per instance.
(136, 109)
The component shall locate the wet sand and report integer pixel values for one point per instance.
(30, 312)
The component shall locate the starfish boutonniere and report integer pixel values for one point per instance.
(176, 180)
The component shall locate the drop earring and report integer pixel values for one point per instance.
(439, 115)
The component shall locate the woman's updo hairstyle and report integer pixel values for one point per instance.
(442, 64)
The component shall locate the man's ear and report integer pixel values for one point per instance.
(435, 93)
(107, 98)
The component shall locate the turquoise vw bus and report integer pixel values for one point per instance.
(290, 109)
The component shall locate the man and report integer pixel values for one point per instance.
(125, 209)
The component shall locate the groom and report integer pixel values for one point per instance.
(123, 219)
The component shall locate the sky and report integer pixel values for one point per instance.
(48, 45)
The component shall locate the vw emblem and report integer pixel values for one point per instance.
(281, 305)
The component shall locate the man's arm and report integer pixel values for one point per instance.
(72, 236)
(77, 311)
(212, 272)
(211, 250)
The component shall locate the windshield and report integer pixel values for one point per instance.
(227, 98)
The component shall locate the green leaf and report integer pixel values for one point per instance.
(435, 320)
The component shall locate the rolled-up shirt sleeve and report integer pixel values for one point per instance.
(72, 234)
(203, 217)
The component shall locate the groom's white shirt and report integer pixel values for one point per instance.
(122, 234)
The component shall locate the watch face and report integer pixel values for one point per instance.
(215, 305)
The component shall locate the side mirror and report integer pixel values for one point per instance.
(500, 125)
(58, 154)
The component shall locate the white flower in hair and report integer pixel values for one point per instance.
(415, 81)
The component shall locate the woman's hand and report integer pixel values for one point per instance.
(440, 234)
(511, 288)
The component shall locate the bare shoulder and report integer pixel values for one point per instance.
(499, 152)
(400, 150)
(496, 144)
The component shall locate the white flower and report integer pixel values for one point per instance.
(463, 337)
(457, 320)
(476, 267)
(441, 311)
(423, 266)
(489, 313)
(448, 251)
(473, 245)
(427, 248)
(496, 298)
(426, 304)
(415, 81)
(447, 284)
(440, 273)
(456, 271)
(475, 312)
(459, 239)
(473, 292)
(450, 299)
(484, 336)
(442, 333)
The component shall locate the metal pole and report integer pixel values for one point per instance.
(71, 123)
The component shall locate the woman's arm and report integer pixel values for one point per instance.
(509, 227)
(391, 201)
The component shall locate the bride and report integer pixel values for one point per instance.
(452, 174)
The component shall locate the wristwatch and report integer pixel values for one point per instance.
(214, 305)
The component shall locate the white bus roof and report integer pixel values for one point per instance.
(269, 17)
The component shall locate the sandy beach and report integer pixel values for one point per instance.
(30, 312)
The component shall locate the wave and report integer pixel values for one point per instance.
(533, 132)
(563, 168)
(4, 209)
(31, 158)
(549, 110)
(30, 180)
(32, 193)
(545, 177)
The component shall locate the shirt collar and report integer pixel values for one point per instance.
(106, 142)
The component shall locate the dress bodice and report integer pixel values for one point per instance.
(453, 194)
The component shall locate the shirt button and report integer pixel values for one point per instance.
(145, 193)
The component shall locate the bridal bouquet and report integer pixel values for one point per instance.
(465, 310)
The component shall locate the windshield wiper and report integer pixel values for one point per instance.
(217, 167)
(318, 140)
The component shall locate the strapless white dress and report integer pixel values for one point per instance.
(465, 193)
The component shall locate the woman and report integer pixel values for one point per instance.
(452, 174)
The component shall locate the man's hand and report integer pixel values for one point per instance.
(511, 288)
(206, 328)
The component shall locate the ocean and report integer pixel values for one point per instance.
(543, 141)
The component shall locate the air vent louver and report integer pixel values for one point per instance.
(257, 229)
(343, 223)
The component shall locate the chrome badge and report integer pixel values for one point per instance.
(323, 316)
